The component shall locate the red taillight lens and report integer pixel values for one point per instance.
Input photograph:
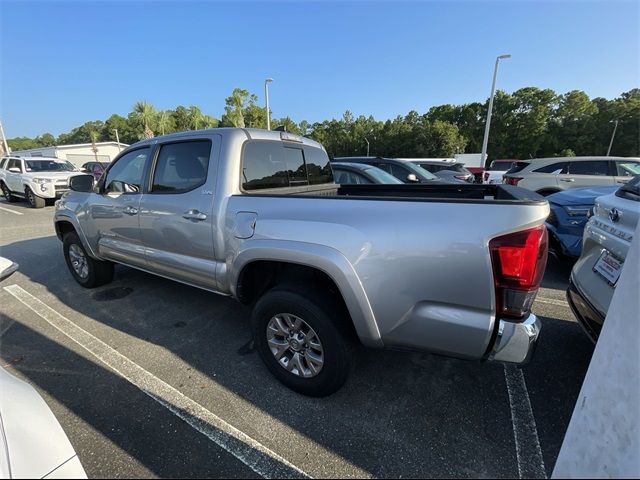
(512, 180)
(519, 260)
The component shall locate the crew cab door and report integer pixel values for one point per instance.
(114, 211)
(176, 213)
(586, 173)
(12, 179)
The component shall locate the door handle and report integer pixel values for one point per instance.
(194, 215)
(567, 180)
(130, 210)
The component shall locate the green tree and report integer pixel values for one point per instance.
(181, 118)
(195, 117)
(164, 122)
(145, 113)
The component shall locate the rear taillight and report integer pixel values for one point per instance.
(512, 180)
(519, 260)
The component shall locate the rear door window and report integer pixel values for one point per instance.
(597, 168)
(181, 166)
(269, 164)
(558, 167)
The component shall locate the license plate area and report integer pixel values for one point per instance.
(608, 267)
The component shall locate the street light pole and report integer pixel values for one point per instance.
(266, 97)
(485, 141)
(612, 137)
(365, 139)
(117, 138)
(4, 140)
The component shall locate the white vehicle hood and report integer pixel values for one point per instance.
(32, 442)
(52, 175)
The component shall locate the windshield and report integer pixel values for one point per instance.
(381, 176)
(418, 170)
(630, 190)
(517, 166)
(49, 166)
(500, 166)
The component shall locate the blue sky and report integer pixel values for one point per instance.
(66, 63)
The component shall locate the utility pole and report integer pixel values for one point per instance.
(266, 97)
(4, 141)
(612, 137)
(117, 139)
(485, 141)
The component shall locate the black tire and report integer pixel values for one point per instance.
(98, 272)
(7, 193)
(34, 200)
(321, 313)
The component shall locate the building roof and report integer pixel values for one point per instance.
(64, 147)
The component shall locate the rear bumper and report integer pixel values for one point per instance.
(516, 342)
(589, 318)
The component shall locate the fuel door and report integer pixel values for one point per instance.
(245, 224)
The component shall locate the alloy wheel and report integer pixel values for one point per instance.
(295, 345)
(79, 261)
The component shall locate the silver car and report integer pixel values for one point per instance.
(550, 175)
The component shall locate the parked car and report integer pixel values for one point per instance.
(255, 214)
(37, 179)
(404, 171)
(496, 170)
(447, 170)
(346, 173)
(607, 238)
(550, 175)
(32, 442)
(569, 213)
(95, 168)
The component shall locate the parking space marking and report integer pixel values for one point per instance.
(10, 211)
(552, 301)
(249, 451)
(525, 432)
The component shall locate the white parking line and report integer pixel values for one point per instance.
(252, 453)
(10, 211)
(525, 432)
(552, 301)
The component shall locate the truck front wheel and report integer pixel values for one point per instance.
(297, 333)
(34, 200)
(88, 272)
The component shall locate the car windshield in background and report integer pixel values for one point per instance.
(425, 173)
(517, 166)
(631, 168)
(49, 166)
(382, 176)
(630, 190)
(501, 166)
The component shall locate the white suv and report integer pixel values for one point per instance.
(36, 179)
(550, 175)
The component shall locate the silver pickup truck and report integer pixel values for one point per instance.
(255, 214)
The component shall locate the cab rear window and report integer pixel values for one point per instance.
(269, 164)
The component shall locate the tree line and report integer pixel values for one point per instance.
(528, 123)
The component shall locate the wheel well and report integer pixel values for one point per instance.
(547, 191)
(259, 276)
(62, 228)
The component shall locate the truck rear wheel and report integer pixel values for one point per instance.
(34, 200)
(7, 193)
(297, 333)
(88, 272)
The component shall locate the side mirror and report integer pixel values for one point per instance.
(411, 178)
(14, 170)
(81, 183)
(7, 267)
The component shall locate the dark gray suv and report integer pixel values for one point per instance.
(406, 172)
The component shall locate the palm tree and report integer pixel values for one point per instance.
(163, 121)
(146, 113)
(94, 138)
(195, 115)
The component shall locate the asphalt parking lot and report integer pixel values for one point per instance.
(149, 377)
